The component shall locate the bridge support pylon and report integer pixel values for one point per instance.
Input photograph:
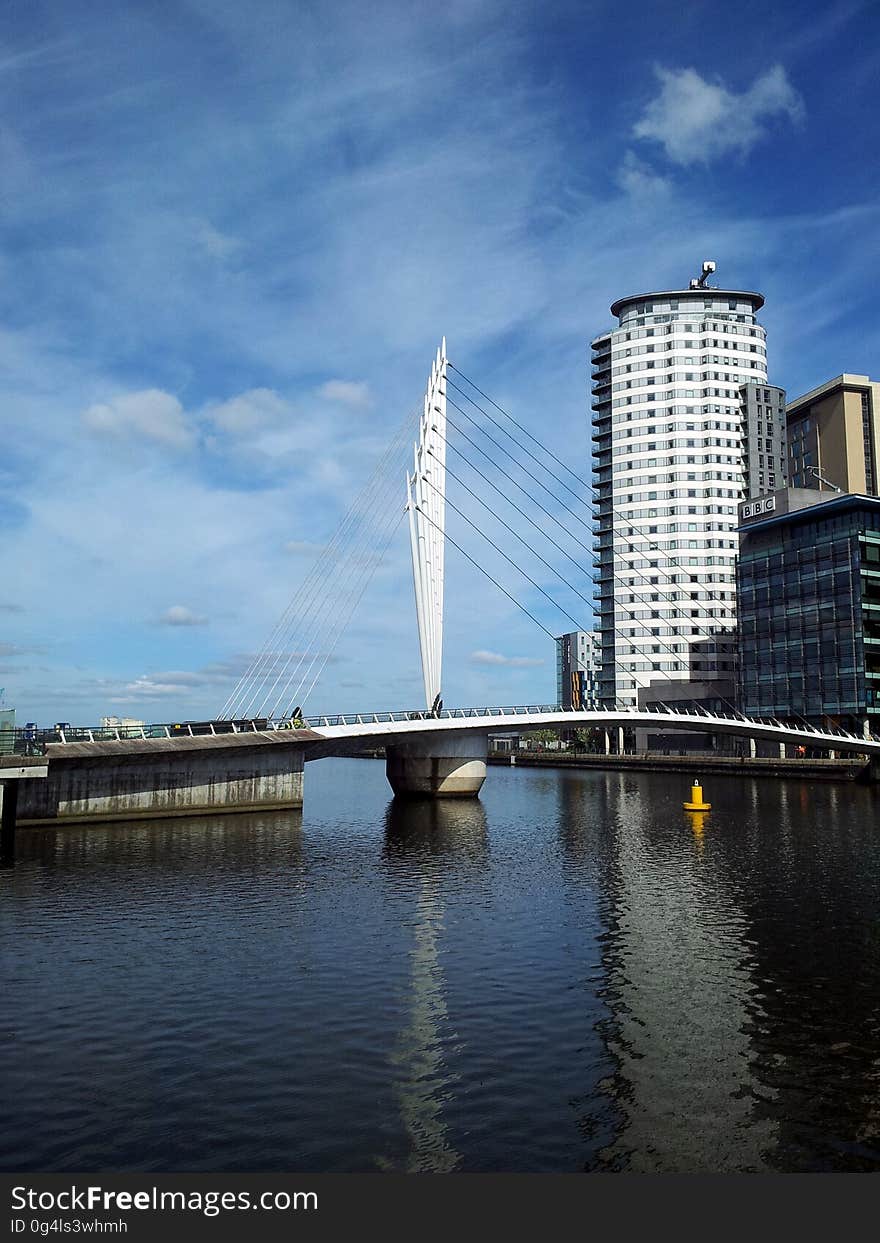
(452, 767)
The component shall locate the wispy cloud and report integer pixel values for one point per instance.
(14, 649)
(354, 393)
(496, 658)
(246, 413)
(637, 178)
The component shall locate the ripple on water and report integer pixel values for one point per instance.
(564, 975)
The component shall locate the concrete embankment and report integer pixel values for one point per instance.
(811, 769)
(156, 777)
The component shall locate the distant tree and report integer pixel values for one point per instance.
(544, 736)
(586, 739)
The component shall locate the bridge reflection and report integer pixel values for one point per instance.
(427, 839)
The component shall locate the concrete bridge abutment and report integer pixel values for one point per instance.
(434, 767)
(145, 780)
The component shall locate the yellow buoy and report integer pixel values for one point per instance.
(697, 803)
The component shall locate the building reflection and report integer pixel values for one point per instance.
(426, 842)
(678, 985)
(811, 897)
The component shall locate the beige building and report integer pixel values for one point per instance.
(835, 429)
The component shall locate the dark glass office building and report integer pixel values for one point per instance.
(808, 599)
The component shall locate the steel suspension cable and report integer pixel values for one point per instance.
(333, 617)
(320, 581)
(691, 621)
(625, 665)
(553, 570)
(713, 637)
(614, 527)
(332, 646)
(324, 601)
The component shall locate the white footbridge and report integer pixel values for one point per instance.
(439, 751)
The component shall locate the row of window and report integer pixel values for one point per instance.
(636, 433)
(665, 513)
(678, 666)
(727, 325)
(714, 642)
(731, 424)
(643, 380)
(641, 359)
(670, 395)
(643, 362)
(674, 578)
(669, 614)
(622, 598)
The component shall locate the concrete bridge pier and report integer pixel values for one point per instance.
(448, 767)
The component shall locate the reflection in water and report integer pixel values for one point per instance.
(420, 828)
(247, 839)
(679, 986)
(594, 982)
(697, 822)
(808, 873)
(420, 834)
(677, 989)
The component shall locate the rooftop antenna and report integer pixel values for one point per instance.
(699, 282)
(814, 470)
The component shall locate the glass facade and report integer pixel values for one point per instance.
(808, 598)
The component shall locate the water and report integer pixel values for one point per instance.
(570, 974)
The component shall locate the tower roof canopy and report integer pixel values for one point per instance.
(704, 293)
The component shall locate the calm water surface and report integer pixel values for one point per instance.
(569, 974)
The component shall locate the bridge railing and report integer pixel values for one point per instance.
(32, 741)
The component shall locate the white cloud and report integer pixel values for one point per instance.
(180, 615)
(345, 267)
(150, 414)
(697, 121)
(355, 393)
(495, 658)
(258, 408)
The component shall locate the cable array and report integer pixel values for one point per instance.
(283, 673)
(655, 640)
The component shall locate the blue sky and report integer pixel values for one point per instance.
(233, 235)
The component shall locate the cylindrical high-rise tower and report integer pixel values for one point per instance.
(669, 470)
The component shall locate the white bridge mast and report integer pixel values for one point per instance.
(426, 503)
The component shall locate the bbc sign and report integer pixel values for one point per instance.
(756, 509)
